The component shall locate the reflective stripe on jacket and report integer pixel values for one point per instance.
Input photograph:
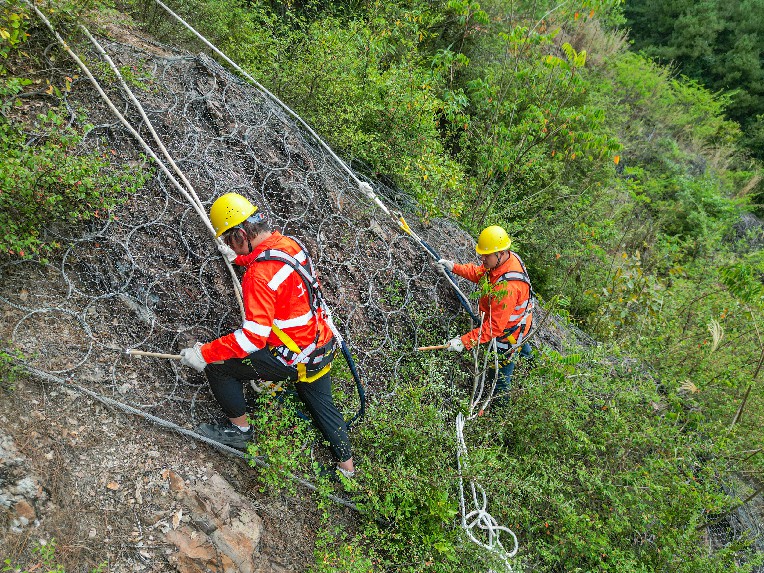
(274, 294)
(505, 307)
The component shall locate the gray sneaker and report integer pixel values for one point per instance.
(227, 434)
(333, 472)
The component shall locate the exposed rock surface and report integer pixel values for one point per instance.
(111, 488)
(223, 530)
(20, 491)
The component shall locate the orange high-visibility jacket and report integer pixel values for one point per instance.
(273, 293)
(505, 307)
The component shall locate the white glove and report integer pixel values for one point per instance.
(227, 251)
(444, 265)
(455, 345)
(192, 357)
(366, 189)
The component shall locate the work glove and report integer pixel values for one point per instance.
(444, 265)
(366, 189)
(455, 345)
(192, 357)
(227, 252)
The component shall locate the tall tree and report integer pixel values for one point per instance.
(716, 42)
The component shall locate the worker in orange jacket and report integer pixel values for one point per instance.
(286, 334)
(507, 310)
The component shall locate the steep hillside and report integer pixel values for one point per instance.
(147, 276)
(610, 455)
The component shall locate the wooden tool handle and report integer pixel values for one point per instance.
(154, 354)
(439, 347)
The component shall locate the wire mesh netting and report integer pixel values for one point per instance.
(148, 275)
(744, 524)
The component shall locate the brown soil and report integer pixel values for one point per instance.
(105, 487)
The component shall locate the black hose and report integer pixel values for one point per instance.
(462, 300)
(359, 386)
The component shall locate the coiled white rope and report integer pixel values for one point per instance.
(475, 514)
(474, 508)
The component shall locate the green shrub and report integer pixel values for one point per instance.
(283, 439)
(9, 369)
(48, 178)
(51, 182)
(407, 479)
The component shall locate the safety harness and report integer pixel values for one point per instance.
(515, 334)
(312, 362)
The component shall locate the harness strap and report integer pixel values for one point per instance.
(302, 368)
(515, 334)
(302, 357)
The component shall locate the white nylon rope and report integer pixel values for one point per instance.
(478, 517)
(473, 508)
(195, 203)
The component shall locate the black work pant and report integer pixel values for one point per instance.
(227, 383)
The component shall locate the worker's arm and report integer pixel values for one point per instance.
(260, 309)
(503, 301)
(470, 271)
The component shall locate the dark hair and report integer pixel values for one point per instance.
(253, 226)
(256, 224)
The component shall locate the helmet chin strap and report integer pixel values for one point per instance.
(246, 236)
(499, 260)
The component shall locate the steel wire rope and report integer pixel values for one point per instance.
(23, 262)
(188, 193)
(257, 460)
(77, 317)
(197, 204)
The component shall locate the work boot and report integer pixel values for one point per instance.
(332, 473)
(227, 434)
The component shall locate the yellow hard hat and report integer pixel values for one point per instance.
(228, 211)
(491, 240)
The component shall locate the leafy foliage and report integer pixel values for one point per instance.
(619, 182)
(715, 42)
(52, 183)
(12, 31)
(46, 178)
(283, 439)
(600, 480)
(48, 562)
(9, 370)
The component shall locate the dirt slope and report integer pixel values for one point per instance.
(108, 487)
